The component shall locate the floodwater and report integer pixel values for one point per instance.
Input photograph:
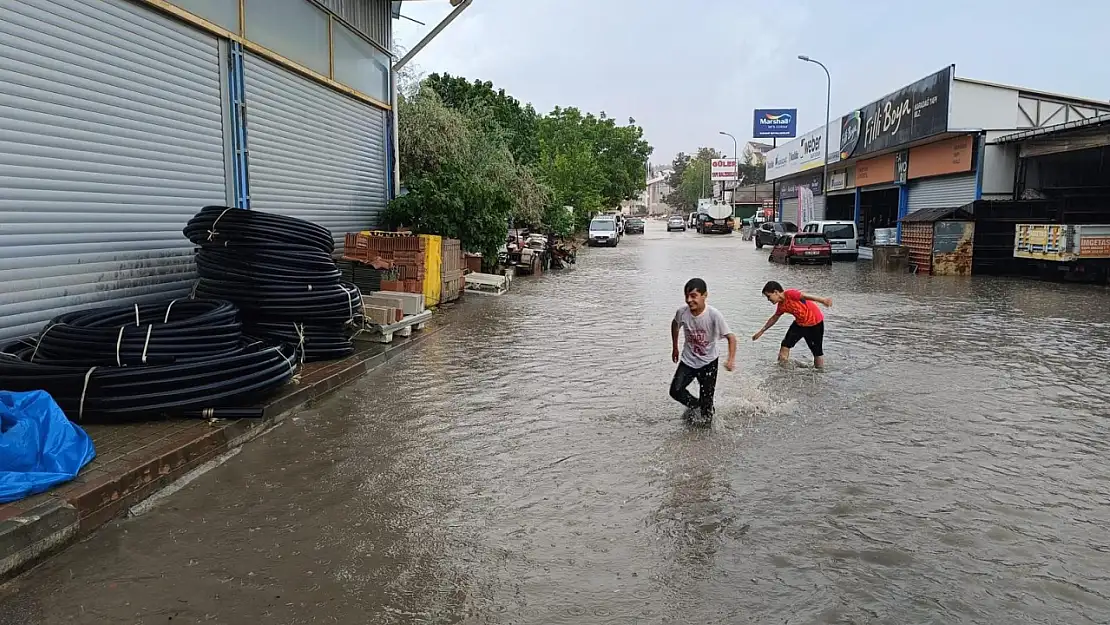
(524, 465)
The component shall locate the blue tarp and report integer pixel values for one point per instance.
(39, 447)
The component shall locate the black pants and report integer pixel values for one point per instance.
(707, 384)
(813, 335)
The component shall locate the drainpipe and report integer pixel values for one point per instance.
(460, 6)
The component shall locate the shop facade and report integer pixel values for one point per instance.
(940, 142)
(120, 119)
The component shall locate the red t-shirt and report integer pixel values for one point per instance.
(805, 313)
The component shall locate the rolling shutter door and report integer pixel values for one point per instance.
(949, 192)
(315, 153)
(818, 208)
(790, 210)
(111, 138)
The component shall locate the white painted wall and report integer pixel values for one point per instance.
(982, 107)
(999, 162)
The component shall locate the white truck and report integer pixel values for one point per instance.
(715, 216)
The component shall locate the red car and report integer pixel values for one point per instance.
(802, 247)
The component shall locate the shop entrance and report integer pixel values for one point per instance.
(840, 207)
(877, 209)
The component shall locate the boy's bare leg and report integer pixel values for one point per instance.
(819, 362)
(784, 355)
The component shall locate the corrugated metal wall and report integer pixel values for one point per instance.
(315, 153)
(373, 18)
(946, 192)
(110, 139)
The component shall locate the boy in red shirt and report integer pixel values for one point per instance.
(809, 322)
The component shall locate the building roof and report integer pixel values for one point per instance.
(1090, 122)
(759, 145)
(1036, 92)
(930, 215)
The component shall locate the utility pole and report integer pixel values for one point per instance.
(828, 102)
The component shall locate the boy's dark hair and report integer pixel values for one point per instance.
(772, 287)
(695, 284)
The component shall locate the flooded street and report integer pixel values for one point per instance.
(524, 465)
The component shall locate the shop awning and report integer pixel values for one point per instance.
(1033, 133)
(931, 215)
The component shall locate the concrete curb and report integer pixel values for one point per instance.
(72, 511)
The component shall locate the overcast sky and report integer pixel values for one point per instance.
(686, 73)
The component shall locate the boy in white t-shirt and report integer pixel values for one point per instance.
(704, 326)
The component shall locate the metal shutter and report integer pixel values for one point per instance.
(315, 153)
(790, 210)
(818, 208)
(949, 192)
(110, 140)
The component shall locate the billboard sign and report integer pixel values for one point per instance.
(722, 169)
(914, 112)
(775, 123)
(805, 152)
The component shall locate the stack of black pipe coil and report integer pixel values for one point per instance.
(279, 271)
(186, 357)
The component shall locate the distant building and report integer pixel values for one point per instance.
(657, 189)
(755, 152)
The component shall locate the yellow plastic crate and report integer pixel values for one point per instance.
(433, 268)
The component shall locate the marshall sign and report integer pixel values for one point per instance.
(909, 114)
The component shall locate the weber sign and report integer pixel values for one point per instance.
(723, 169)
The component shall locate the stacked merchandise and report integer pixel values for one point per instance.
(406, 253)
(279, 271)
(181, 358)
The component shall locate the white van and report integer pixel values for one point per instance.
(603, 231)
(842, 235)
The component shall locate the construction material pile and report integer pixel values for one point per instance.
(279, 271)
(185, 357)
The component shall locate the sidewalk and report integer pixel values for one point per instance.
(134, 461)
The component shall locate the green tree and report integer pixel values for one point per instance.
(518, 121)
(692, 181)
(461, 177)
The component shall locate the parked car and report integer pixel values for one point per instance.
(634, 225)
(842, 235)
(603, 231)
(802, 247)
(676, 222)
(768, 232)
(692, 220)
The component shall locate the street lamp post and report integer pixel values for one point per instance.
(735, 157)
(828, 102)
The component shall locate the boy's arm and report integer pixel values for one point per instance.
(824, 301)
(674, 339)
(767, 326)
(731, 362)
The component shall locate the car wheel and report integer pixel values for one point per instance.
(770, 258)
(758, 244)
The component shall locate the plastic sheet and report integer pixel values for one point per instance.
(39, 447)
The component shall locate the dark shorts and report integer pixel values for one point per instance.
(813, 335)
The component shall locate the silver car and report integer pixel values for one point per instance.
(676, 222)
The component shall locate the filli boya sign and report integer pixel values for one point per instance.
(775, 123)
(913, 112)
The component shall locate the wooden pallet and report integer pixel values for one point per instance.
(404, 328)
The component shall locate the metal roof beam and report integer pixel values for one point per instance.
(460, 6)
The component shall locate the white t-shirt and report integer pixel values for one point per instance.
(702, 333)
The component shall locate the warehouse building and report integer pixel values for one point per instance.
(119, 119)
(940, 142)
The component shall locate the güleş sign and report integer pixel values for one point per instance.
(722, 169)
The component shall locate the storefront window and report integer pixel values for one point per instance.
(222, 13)
(360, 65)
(294, 29)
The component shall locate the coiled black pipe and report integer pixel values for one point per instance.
(99, 394)
(215, 225)
(279, 271)
(158, 333)
(322, 341)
